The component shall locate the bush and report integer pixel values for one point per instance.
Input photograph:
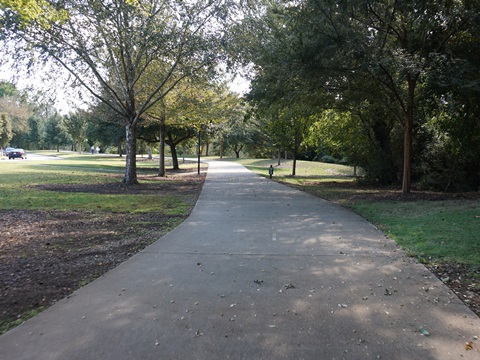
(329, 159)
(443, 171)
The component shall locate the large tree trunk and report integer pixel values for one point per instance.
(131, 160)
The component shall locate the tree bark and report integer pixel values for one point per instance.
(161, 167)
(407, 157)
(131, 160)
(407, 137)
(173, 150)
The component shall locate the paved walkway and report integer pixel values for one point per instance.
(258, 271)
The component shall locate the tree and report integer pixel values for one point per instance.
(129, 54)
(76, 125)
(14, 104)
(5, 130)
(34, 137)
(338, 50)
(192, 108)
(55, 133)
(452, 156)
(104, 128)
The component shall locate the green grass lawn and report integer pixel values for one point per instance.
(21, 185)
(433, 231)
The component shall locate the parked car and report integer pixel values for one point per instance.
(6, 151)
(17, 153)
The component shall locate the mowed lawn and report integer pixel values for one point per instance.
(57, 185)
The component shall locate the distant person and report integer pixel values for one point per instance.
(93, 149)
(98, 150)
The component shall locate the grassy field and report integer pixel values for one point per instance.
(440, 230)
(23, 185)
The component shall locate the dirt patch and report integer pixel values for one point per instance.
(462, 280)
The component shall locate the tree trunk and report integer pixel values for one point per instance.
(407, 137)
(163, 130)
(119, 149)
(161, 167)
(279, 156)
(149, 150)
(221, 148)
(131, 160)
(294, 167)
(407, 155)
(173, 150)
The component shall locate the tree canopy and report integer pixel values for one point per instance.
(374, 59)
(127, 54)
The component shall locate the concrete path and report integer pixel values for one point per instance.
(258, 271)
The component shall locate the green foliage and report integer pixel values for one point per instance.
(25, 12)
(14, 104)
(34, 137)
(238, 132)
(372, 60)
(5, 130)
(75, 124)
(55, 133)
(7, 89)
